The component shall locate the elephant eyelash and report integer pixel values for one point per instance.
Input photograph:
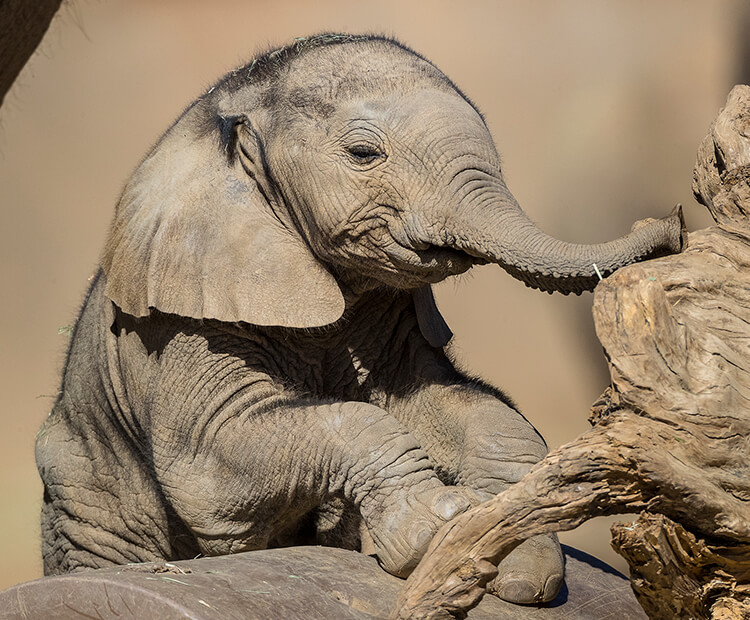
(364, 154)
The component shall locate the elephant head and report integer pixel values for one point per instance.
(334, 165)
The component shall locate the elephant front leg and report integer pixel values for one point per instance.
(263, 470)
(476, 438)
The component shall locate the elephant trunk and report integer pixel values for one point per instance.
(494, 228)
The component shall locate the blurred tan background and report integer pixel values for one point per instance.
(597, 107)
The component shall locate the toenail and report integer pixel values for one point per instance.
(518, 590)
(552, 587)
(420, 536)
(449, 505)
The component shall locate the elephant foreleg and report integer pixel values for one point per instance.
(476, 438)
(262, 470)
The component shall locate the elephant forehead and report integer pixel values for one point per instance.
(436, 127)
(419, 115)
(429, 110)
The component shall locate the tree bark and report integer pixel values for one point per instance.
(671, 436)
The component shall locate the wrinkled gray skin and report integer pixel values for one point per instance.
(260, 361)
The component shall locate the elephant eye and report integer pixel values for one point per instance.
(364, 154)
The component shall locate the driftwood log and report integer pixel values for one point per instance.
(670, 436)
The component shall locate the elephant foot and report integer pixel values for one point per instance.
(531, 573)
(402, 533)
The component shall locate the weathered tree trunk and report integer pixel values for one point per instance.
(671, 436)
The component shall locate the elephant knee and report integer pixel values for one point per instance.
(499, 447)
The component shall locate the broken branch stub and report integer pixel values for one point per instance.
(722, 171)
(677, 575)
(671, 435)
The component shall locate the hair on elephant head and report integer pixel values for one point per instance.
(260, 362)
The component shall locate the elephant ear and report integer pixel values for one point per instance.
(195, 234)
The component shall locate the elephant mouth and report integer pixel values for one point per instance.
(427, 252)
(400, 258)
(428, 263)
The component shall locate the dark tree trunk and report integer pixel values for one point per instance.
(22, 26)
(671, 436)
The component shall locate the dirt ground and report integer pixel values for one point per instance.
(596, 107)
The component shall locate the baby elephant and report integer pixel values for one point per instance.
(259, 361)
